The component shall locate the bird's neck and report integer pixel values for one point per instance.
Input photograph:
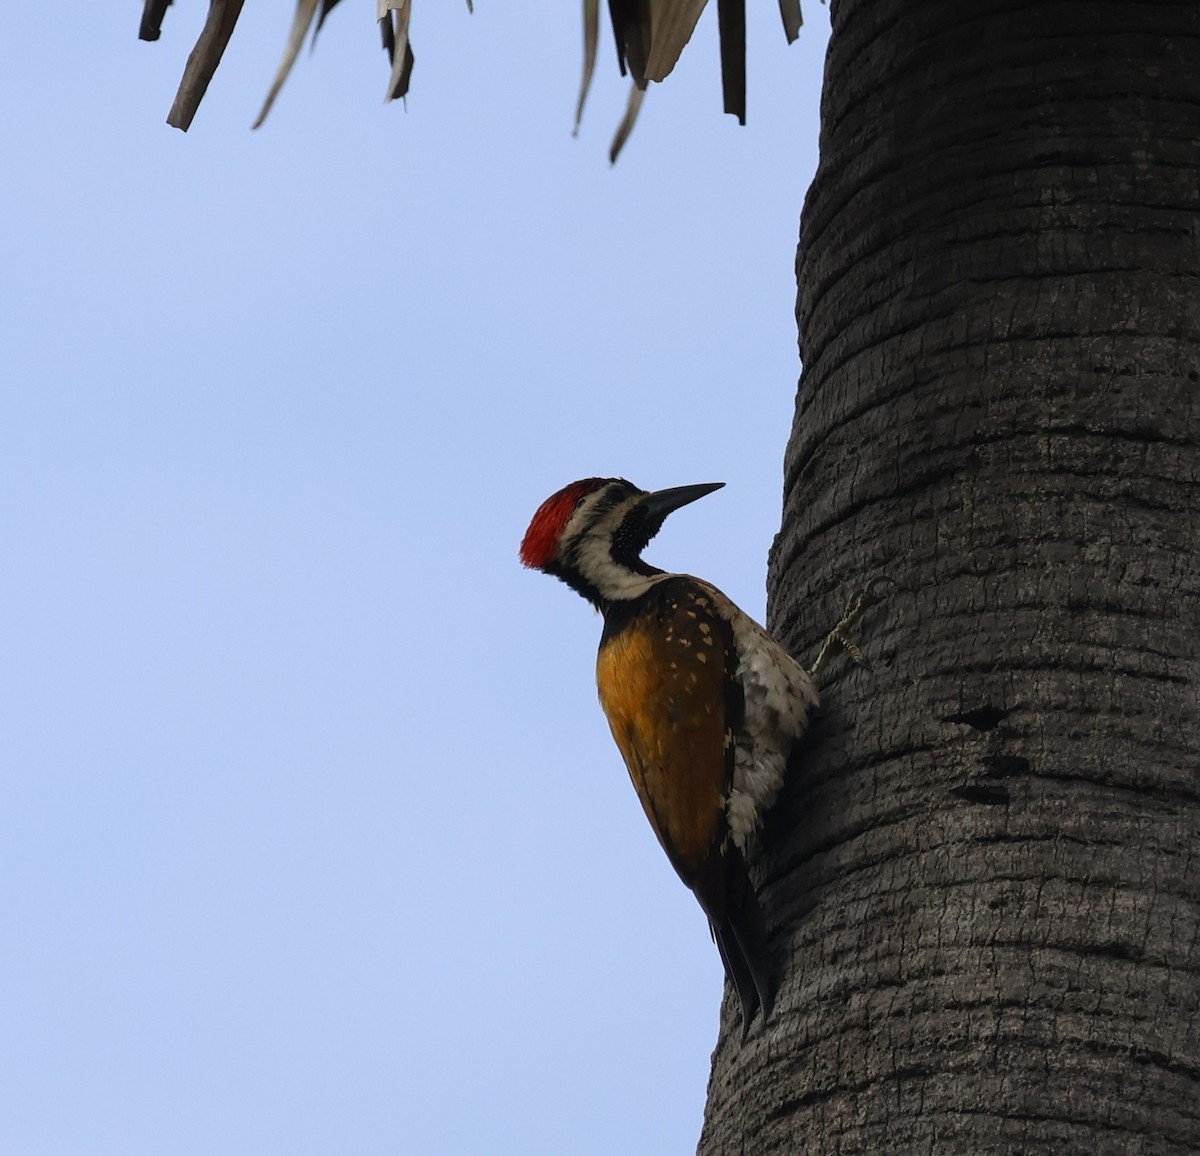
(603, 579)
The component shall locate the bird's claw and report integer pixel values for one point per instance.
(840, 637)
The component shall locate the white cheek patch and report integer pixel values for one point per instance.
(615, 583)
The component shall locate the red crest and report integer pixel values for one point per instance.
(540, 544)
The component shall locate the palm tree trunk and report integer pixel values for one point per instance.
(984, 879)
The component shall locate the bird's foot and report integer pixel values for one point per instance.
(839, 636)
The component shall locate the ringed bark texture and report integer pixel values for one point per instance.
(984, 878)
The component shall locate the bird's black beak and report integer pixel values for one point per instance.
(663, 502)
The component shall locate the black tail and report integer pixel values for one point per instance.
(741, 937)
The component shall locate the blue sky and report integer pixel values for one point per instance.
(312, 836)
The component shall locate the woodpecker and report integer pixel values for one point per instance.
(705, 706)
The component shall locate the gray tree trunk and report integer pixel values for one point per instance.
(984, 878)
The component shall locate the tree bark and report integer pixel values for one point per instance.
(984, 877)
